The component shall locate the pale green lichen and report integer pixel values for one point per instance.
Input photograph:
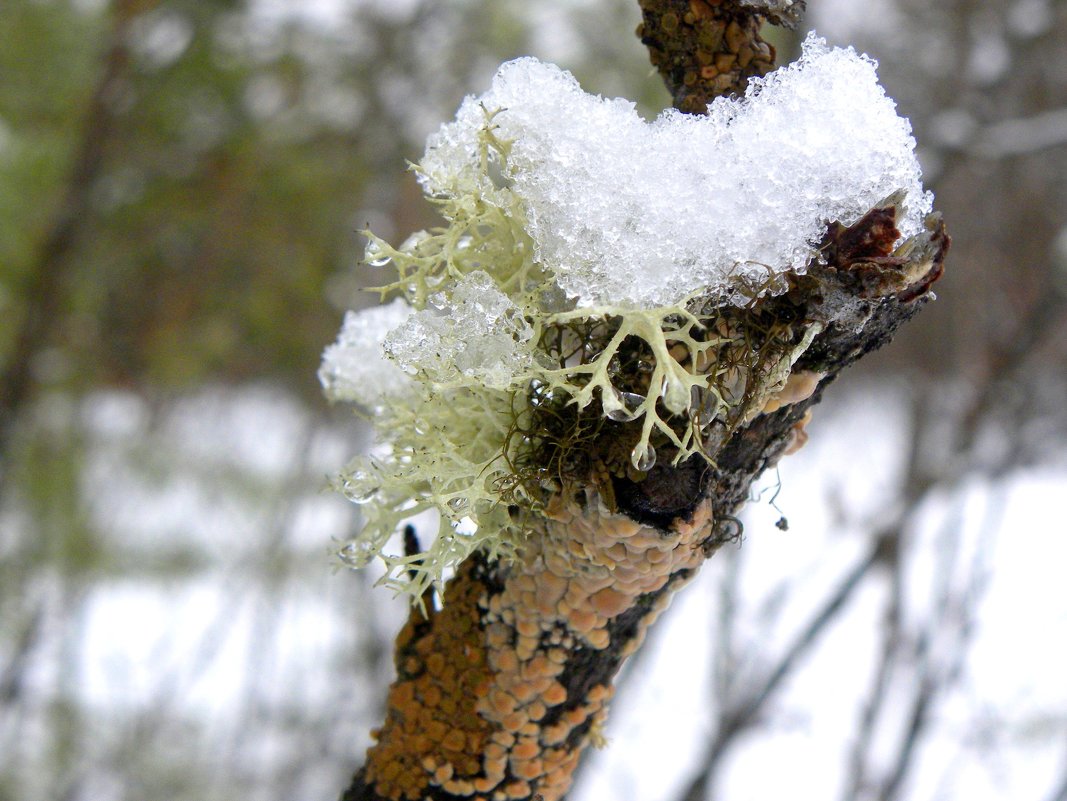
(594, 301)
(672, 379)
(465, 441)
(446, 452)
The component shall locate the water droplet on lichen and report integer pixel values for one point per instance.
(643, 458)
(675, 395)
(375, 255)
(360, 486)
(622, 407)
(357, 554)
(410, 244)
(705, 404)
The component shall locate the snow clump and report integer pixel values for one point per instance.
(643, 215)
(585, 263)
(477, 333)
(354, 369)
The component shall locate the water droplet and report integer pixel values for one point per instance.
(375, 255)
(675, 396)
(410, 244)
(361, 486)
(734, 383)
(622, 406)
(356, 554)
(643, 458)
(706, 405)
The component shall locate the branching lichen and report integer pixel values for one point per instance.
(481, 453)
(508, 385)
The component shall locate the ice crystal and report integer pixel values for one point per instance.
(477, 334)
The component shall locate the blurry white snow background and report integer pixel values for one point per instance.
(997, 733)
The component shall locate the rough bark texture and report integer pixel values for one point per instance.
(498, 693)
(707, 48)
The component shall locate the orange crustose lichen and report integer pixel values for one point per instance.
(431, 733)
(483, 705)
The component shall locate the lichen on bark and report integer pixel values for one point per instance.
(500, 690)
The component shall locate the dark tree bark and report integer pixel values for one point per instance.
(499, 692)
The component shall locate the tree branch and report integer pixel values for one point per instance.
(499, 692)
(707, 48)
(1020, 137)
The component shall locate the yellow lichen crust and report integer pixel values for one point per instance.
(504, 711)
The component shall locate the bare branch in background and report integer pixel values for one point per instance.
(1021, 136)
(43, 293)
(739, 715)
(1060, 793)
(13, 675)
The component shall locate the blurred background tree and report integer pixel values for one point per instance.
(182, 188)
(182, 191)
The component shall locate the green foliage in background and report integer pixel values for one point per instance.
(219, 209)
(47, 52)
(242, 158)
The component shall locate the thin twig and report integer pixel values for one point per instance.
(744, 714)
(1060, 792)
